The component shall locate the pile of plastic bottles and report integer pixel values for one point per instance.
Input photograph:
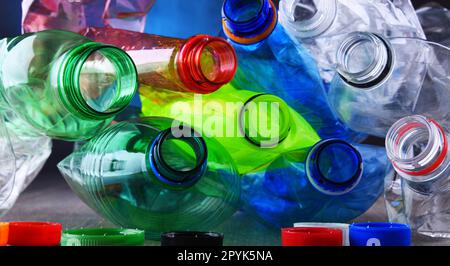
(267, 115)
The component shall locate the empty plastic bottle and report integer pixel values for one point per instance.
(38, 15)
(435, 19)
(248, 124)
(381, 80)
(147, 175)
(63, 85)
(200, 64)
(418, 193)
(271, 62)
(331, 182)
(321, 25)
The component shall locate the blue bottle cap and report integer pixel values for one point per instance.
(380, 234)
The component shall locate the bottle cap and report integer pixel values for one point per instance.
(341, 226)
(103, 237)
(192, 239)
(4, 228)
(311, 236)
(380, 234)
(34, 234)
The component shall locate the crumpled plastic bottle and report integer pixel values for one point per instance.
(418, 193)
(38, 15)
(149, 175)
(269, 61)
(321, 25)
(435, 20)
(331, 182)
(380, 80)
(248, 124)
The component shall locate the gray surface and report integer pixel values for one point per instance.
(50, 199)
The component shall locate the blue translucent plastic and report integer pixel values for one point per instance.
(293, 189)
(281, 66)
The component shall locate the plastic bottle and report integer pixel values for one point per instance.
(381, 80)
(434, 19)
(248, 124)
(331, 182)
(200, 64)
(38, 15)
(321, 25)
(271, 62)
(147, 175)
(417, 194)
(63, 85)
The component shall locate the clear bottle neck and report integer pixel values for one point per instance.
(364, 60)
(418, 148)
(307, 18)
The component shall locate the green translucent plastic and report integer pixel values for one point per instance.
(224, 115)
(141, 175)
(63, 85)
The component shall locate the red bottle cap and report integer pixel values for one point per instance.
(4, 228)
(34, 234)
(311, 236)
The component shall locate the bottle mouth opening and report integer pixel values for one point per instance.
(265, 120)
(416, 145)
(308, 18)
(178, 161)
(99, 80)
(206, 63)
(364, 60)
(334, 167)
(248, 21)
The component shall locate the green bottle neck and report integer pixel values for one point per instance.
(96, 81)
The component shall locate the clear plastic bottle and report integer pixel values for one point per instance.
(435, 20)
(321, 25)
(418, 193)
(63, 85)
(380, 80)
(269, 61)
(331, 182)
(149, 175)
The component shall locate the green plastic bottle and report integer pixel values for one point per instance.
(144, 174)
(254, 128)
(63, 85)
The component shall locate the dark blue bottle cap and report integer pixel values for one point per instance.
(249, 21)
(191, 239)
(334, 167)
(380, 234)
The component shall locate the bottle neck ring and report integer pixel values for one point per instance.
(97, 81)
(165, 165)
(206, 63)
(248, 21)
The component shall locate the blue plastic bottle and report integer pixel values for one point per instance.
(332, 182)
(271, 62)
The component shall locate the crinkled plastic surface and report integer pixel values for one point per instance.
(435, 20)
(38, 15)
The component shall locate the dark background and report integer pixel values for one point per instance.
(10, 14)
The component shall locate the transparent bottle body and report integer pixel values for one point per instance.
(218, 115)
(434, 19)
(417, 83)
(283, 194)
(111, 174)
(321, 25)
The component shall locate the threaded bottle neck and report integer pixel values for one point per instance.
(417, 147)
(364, 60)
(307, 18)
(334, 167)
(206, 63)
(96, 81)
(177, 161)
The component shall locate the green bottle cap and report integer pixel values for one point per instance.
(103, 237)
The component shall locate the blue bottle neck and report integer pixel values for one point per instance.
(249, 21)
(334, 167)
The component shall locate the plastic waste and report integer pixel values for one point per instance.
(321, 25)
(148, 175)
(381, 80)
(102, 237)
(434, 20)
(331, 182)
